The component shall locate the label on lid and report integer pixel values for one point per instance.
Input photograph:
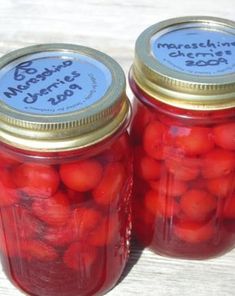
(51, 83)
(197, 51)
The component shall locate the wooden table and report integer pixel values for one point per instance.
(112, 27)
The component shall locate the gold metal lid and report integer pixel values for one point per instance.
(188, 62)
(60, 97)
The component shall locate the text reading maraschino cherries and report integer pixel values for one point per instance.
(23, 73)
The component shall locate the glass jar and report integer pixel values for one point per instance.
(183, 131)
(65, 170)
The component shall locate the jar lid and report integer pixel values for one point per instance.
(59, 97)
(188, 62)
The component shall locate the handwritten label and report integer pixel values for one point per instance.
(53, 83)
(196, 51)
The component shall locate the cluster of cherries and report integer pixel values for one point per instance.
(66, 223)
(184, 183)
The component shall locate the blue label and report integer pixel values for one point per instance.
(196, 51)
(53, 83)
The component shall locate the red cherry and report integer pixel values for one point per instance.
(169, 186)
(191, 140)
(37, 180)
(86, 220)
(55, 210)
(193, 233)
(35, 249)
(107, 231)
(82, 221)
(61, 236)
(224, 135)
(197, 205)
(82, 175)
(28, 226)
(229, 208)
(183, 169)
(149, 168)
(6, 178)
(110, 185)
(153, 139)
(218, 163)
(222, 186)
(80, 257)
(160, 205)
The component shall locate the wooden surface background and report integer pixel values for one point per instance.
(112, 27)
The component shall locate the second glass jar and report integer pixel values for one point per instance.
(183, 132)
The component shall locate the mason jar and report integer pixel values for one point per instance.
(65, 170)
(183, 131)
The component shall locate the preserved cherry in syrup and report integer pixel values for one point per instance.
(189, 178)
(183, 132)
(69, 225)
(66, 171)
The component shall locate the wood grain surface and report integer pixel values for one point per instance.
(112, 27)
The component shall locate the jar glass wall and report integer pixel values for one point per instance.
(65, 170)
(183, 79)
(65, 221)
(184, 193)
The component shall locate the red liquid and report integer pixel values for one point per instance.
(65, 224)
(184, 183)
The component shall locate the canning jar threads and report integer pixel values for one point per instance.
(183, 131)
(65, 170)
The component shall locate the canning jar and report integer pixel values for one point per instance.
(65, 170)
(183, 131)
